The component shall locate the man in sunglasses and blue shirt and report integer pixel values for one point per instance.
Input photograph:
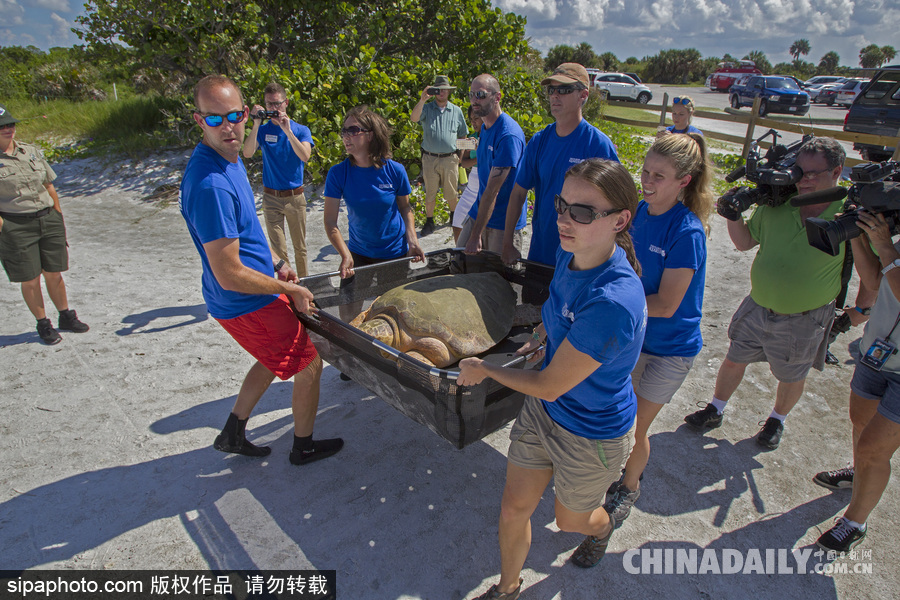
(500, 149)
(550, 153)
(248, 290)
(286, 147)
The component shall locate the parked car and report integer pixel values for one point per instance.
(618, 86)
(635, 77)
(777, 94)
(847, 94)
(823, 79)
(818, 92)
(876, 110)
(727, 73)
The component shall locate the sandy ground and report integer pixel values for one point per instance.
(108, 464)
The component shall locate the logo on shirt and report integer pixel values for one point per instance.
(568, 314)
(657, 250)
(385, 186)
(575, 161)
(271, 138)
(490, 147)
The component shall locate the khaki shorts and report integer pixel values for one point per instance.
(791, 344)
(28, 246)
(657, 378)
(491, 239)
(583, 469)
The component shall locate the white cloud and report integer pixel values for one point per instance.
(12, 13)
(54, 5)
(61, 27)
(546, 9)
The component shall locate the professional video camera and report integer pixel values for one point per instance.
(265, 114)
(775, 176)
(869, 191)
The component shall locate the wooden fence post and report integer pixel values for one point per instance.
(663, 109)
(754, 114)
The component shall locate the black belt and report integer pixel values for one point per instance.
(283, 193)
(34, 215)
(437, 155)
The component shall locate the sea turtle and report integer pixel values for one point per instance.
(440, 320)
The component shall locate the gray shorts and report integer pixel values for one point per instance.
(491, 239)
(657, 378)
(583, 469)
(791, 344)
(883, 386)
(31, 245)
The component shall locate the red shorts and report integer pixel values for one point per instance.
(274, 336)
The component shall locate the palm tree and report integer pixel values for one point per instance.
(830, 62)
(799, 47)
(871, 57)
(760, 60)
(889, 53)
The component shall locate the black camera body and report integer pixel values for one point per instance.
(876, 188)
(434, 91)
(266, 114)
(774, 174)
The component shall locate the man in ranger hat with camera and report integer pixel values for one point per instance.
(286, 147)
(442, 124)
(786, 318)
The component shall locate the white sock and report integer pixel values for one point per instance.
(860, 526)
(719, 404)
(775, 415)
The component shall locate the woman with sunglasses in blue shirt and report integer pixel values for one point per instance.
(682, 113)
(577, 421)
(376, 192)
(669, 230)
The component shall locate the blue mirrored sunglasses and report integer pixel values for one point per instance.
(684, 101)
(216, 120)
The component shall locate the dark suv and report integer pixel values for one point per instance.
(876, 110)
(778, 95)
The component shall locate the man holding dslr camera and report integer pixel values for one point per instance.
(286, 148)
(785, 319)
(442, 124)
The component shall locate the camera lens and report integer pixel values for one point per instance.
(828, 236)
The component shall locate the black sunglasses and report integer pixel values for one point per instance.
(562, 90)
(216, 120)
(353, 131)
(581, 213)
(480, 94)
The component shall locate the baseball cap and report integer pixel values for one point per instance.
(5, 117)
(568, 73)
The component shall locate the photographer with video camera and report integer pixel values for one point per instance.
(790, 309)
(875, 387)
(286, 147)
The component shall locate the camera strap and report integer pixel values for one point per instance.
(846, 274)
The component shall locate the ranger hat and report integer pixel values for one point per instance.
(442, 82)
(5, 117)
(568, 73)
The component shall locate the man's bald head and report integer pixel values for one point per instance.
(209, 84)
(488, 82)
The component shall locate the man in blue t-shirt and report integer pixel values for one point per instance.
(550, 153)
(241, 293)
(500, 149)
(286, 148)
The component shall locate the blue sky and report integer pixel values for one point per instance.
(625, 27)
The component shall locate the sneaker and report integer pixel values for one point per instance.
(320, 449)
(48, 335)
(68, 321)
(428, 228)
(835, 480)
(770, 435)
(494, 594)
(842, 537)
(708, 418)
(619, 504)
(592, 549)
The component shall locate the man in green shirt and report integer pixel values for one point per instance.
(442, 124)
(785, 319)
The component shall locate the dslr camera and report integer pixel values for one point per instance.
(774, 174)
(876, 188)
(266, 114)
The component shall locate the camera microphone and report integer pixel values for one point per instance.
(830, 195)
(736, 174)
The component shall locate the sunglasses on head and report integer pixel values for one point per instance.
(581, 213)
(216, 120)
(353, 131)
(684, 101)
(480, 94)
(562, 90)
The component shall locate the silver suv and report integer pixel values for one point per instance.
(619, 86)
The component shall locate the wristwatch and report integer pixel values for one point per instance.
(893, 265)
(863, 311)
(279, 265)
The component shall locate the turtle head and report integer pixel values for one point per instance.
(383, 328)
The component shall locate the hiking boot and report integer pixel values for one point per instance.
(428, 228)
(708, 418)
(842, 537)
(835, 480)
(68, 321)
(592, 549)
(619, 503)
(770, 435)
(48, 335)
(494, 594)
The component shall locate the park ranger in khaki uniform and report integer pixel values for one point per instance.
(32, 232)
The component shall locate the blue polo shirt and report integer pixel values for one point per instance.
(282, 168)
(501, 145)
